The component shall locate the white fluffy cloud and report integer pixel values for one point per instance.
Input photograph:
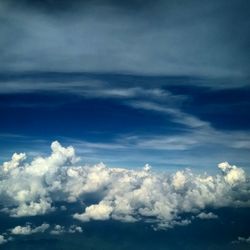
(29, 229)
(75, 229)
(26, 230)
(233, 175)
(29, 189)
(207, 216)
(101, 211)
(58, 229)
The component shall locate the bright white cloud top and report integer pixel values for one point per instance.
(30, 189)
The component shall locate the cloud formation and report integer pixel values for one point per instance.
(26, 230)
(59, 229)
(30, 189)
(29, 229)
(153, 37)
(207, 216)
(240, 239)
(2, 240)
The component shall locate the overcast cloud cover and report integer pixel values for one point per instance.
(202, 38)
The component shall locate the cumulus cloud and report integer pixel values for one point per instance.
(207, 216)
(2, 240)
(34, 188)
(58, 229)
(242, 240)
(171, 224)
(101, 211)
(75, 229)
(26, 230)
(233, 175)
(29, 229)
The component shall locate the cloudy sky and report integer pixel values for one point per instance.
(151, 94)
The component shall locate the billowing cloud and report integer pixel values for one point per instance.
(101, 211)
(233, 174)
(29, 189)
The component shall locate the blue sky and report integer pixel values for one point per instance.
(128, 120)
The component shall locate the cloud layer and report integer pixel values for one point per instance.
(165, 200)
(142, 37)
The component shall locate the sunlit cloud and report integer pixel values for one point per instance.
(30, 189)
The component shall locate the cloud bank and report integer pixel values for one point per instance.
(165, 200)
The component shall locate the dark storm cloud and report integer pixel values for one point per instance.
(142, 37)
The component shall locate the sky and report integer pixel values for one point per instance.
(151, 94)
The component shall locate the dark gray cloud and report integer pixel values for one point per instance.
(141, 37)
